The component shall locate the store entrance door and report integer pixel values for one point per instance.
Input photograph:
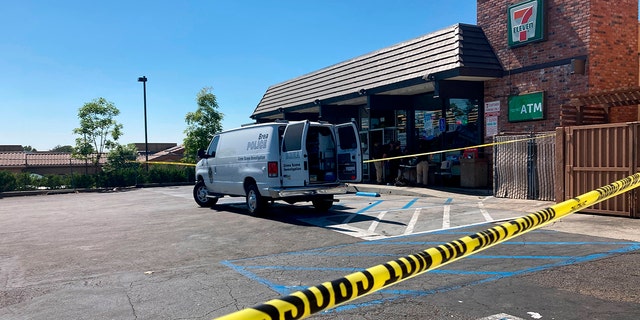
(383, 136)
(366, 154)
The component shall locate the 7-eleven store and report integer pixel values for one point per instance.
(463, 85)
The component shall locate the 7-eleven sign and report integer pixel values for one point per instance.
(526, 22)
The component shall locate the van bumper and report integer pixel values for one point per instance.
(307, 191)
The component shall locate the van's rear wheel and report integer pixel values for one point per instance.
(200, 194)
(256, 204)
(322, 204)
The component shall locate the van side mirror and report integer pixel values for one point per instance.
(201, 154)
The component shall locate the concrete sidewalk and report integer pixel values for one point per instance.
(419, 191)
(623, 228)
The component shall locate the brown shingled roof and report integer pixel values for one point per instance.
(461, 50)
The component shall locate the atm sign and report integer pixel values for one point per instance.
(526, 107)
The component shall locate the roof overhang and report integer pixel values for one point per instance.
(460, 52)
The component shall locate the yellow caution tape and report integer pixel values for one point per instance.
(459, 149)
(302, 304)
(166, 162)
(391, 158)
(170, 163)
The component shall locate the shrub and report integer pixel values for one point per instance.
(168, 174)
(7, 181)
(123, 177)
(54, 181)
(82, 180)
(25, 181)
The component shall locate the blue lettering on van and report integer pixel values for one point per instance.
(291, 167)
(252, 158)
(261, 143)
(292, 155)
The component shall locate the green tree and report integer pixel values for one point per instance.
(122, 157)
(60, 148)
(29, 149)
(121, 169)
(201, 124)
(98, 131)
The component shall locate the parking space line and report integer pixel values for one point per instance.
(280, 289)
(427, 218)
(412, 223)
(468, 274)
(375, 223)
(352, 231)
(410, 203)
(485, 213)
(446, 215)
(363, 210)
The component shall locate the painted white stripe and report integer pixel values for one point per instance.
(485, 213)
(412, 223)
(350, 230)
(375, 223)
(342, 228)
(446, 217)
(501, 316)
(348, 219)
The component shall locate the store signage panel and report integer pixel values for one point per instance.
(492, 107)
(491, 126)
(491, 114)
(526, 22)
(526, 107)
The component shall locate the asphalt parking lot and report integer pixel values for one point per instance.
(153, 254)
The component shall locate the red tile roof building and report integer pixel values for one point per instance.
(45, 163)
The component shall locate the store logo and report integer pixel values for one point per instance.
(525, 22)
(524, 25)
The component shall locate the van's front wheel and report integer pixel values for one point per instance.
(256, 204)
(200, 194)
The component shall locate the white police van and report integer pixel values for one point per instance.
(289, 161)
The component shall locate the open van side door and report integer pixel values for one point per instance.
(349, 153)
(294, 156)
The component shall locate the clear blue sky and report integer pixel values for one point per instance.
(57, 55)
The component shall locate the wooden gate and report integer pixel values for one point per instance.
(588, 157)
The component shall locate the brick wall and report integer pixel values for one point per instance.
(613, 54)
(623, 114)
(604, 31)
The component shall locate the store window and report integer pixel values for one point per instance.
(383, 117)
(401, 127)
(462, 127)
(364, 118)
(427, 124)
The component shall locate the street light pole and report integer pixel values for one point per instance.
(143, 79)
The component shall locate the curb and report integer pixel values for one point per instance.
(417, 191)
(47, 192)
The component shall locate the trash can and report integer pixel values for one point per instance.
(473, 173)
